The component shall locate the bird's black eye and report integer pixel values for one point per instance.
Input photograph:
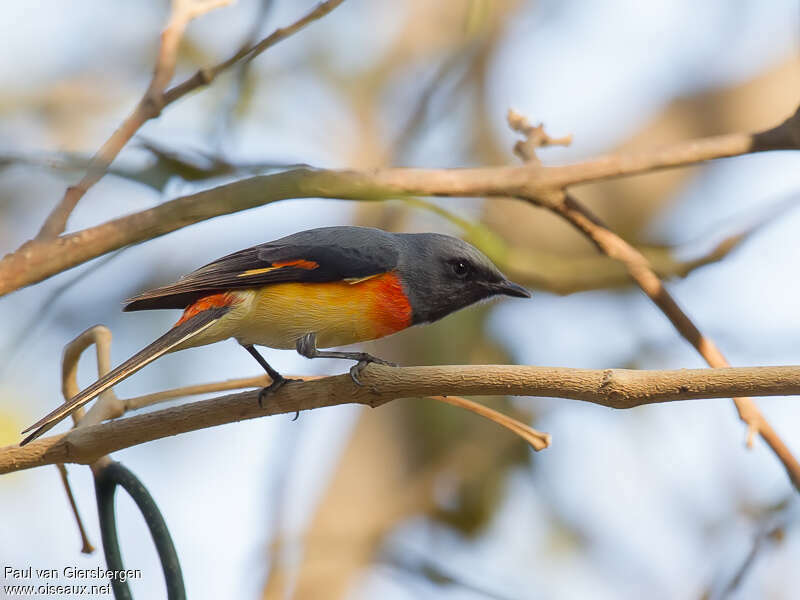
(461, 268)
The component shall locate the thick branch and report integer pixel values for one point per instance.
(36, 261)
(615, 388)
(39, 260)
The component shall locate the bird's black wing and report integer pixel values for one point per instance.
(321, 255)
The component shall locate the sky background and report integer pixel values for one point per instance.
(637, 484)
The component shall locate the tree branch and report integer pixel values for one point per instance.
(37, 261)
(204, 77)
(156, 98)
(536, 439)
(148, 107)
(642, 273)
(785, 136)
(614, 388)
(566, 274)
(567, 206)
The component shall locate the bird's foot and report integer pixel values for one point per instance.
(277, 383)
(356, 369)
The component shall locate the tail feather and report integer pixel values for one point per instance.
(174, 337)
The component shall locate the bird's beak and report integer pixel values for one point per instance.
(509, 288)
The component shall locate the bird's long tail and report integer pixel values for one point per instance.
(169, 341)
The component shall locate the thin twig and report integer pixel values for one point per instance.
(567, 206)
(614, 388)
(762, 540)
(640, 270)
(101, 338)
(534, 137)
(242, 72)
(537, 440)
(411, 562)
(156, 98)
(560, 274)
(148, 107)
(205, 76)
(86, 545)
(259, 381)
(108, 406)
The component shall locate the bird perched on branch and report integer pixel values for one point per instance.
(319, 288)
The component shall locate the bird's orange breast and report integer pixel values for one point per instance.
(339, 312)
(389, 308)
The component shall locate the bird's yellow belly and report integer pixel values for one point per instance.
(339, 313)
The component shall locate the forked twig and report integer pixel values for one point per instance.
(101, 338)
(150, 105)
(157, 96)
(567, 206)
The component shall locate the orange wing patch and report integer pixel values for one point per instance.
(206, 303)
(308, 265)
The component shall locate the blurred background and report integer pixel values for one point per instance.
(418, 499)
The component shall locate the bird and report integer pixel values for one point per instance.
(318, 288)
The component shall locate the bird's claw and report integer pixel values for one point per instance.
(357, 368)
(272, 388)
(355, 371)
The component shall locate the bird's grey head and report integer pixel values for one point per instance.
(443, 274)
